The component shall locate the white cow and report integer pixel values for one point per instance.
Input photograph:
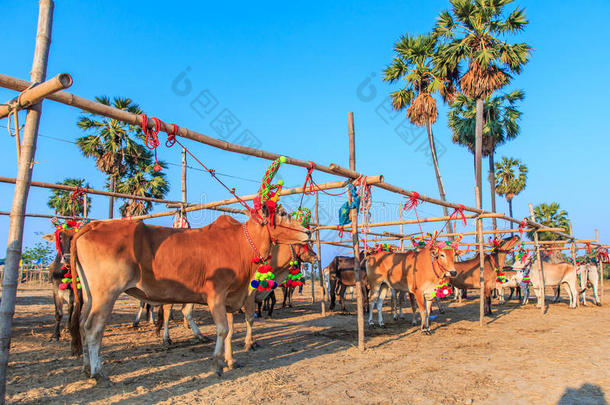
(588, 273)
(555, 274)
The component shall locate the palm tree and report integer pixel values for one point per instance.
(474, 32)
(62, 204)
(141, 180)
(550, 216)
(415, 63)
(113, 141)
(500, 124)
(508, 182)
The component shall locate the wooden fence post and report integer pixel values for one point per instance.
(355, 238)
(539, 261)
(481, 242)
(22, 187)
(320, 273)
(402, 241)
(600, 266)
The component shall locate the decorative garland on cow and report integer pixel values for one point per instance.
(303, 216)
(268, 194)
(69, 224)
(295, 277)
(67, 280)
(500, 276)
(383, 247)
(443, 290)
(526, 279)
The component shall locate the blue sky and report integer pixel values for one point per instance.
(289, 74)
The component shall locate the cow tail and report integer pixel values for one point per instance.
(159, 322)
(76, 344)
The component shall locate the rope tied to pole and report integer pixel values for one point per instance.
(459, 212)
(411, 204)
(521, 228)
(152, 136)
(77, 198)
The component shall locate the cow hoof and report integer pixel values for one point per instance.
(598, 304)
(203, 339)
(426, 332)
(167, 342)
(382, 325)
(371, 325)
(135, 325)
(87, 371)
(233, 365)
(54, 338)
(102, 381)
(252, 347)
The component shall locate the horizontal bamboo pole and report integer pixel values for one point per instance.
(46, 216)
(133, 119)
(89, 191)
(555, 242)
(33, 95)
(338, 244)
(223, 209)
(288, 191)
(497, 231)
(415, 221)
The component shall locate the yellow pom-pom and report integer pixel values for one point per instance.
(280, 182)
(283, 159)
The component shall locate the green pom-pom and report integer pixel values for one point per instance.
(66, 280)
(283, 159)
(78, 286)
(272, 276)
(64, 226)
(280, 182)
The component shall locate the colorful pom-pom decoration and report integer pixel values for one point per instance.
(442, 290)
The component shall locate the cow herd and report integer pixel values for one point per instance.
(214, 266)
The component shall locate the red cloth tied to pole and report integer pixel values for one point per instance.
(308, 186)
(459, 211)
(413, 202)
(340, 229)
(521, 226)
(588, 245)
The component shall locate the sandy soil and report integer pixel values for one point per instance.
(519, 357)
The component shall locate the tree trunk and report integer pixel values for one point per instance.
(22, 188)
(478, 151)
(111, 205)
(439, 180)
(510, 210)
(492, 186)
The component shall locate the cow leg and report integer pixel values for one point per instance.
(441, 310)
(271, 304)
(331, 292)
(219, 314)
(500, 294)
(413, 309)
(136, 321)
(372, 294)
(94, 325)
(594, 278)
(341, 295)
(231, 364)
(424, 306)
(259, 306)
(285, 291)
(59, 312)
(290, 292)
(70, 310)
(557, 294)
(512, 291)
(395, 305)
(167, 310)
(487, 304)
(381, 297)
(249, 343)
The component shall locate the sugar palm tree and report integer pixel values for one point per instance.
(143, 181)
(61, 203)
(473, 31)
(414, 62)
(112, 142)
(550, 215)
(500, 124)
(510, 177)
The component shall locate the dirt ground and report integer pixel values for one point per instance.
(519, 357)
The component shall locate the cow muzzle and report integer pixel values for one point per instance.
(451, 273)
(65, 259)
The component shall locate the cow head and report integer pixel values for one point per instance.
(507, 244)
(445, 257)
(306, 253)
(282, 227)
(62, 239)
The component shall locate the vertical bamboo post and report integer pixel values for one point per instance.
(22, 187)
(111, 201)
(573, 254)
(480, 242)
(85, 210)
(183, 175)
(355, 239)
(600, 266)
(539, 261)
(402, 241)
(320, 273)
(313, 280)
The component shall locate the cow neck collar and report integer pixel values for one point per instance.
(263, 251)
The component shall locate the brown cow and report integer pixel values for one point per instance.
(417, 272)
(210, 265)
(468, 270)
(341, 275)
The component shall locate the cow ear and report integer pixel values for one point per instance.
(434, 250)
(49, 237)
